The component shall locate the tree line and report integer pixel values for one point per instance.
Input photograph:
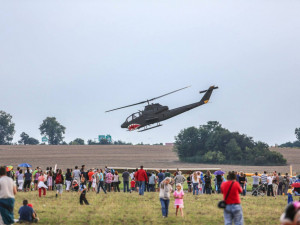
(213, 144)
(295, 144)
(49, 128)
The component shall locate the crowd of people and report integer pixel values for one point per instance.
(141, 181)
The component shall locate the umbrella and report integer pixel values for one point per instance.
(296, 185)
(9, 168)
(24, 165)
(219, 172)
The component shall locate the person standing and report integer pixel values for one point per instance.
(233, 211)
(101, 182)
(28, 179)
(264, 181)
(68, 180)
(270, 185)
(76, 174)
(41, 184)
(125, 177)
(255, 181)
(8, 191)
(161, 177)
(275, 181)
(280, 184)
(152, 179)
(207, 181)
(219, 181)
(242, 181)
(59, 180)
(142, 178)
(179, 178)
(116, 182)
(108, 180)
(50, 180)
(83, 192)
(164, 196)
(20, 179)
(195, 181)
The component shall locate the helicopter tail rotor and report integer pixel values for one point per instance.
(207, 95)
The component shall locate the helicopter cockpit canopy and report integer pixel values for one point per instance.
(133, 116)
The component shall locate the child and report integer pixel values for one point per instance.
(290, 195)
(178, 195)
(83, 192)
(132, 184)
(94, 184)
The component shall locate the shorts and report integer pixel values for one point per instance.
(35, 181)
(59, 188)
(179, 206)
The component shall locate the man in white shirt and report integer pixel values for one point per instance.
(8, 191)
(270, 185)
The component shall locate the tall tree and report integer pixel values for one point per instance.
(53, 130)
(7, 128)
(297, 132)
(26, 140)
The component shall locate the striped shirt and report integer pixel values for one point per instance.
(264, 178)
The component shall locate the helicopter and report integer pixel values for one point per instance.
(155, 113)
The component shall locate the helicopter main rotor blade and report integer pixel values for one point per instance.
(147, 100)
(168, 93)
(126, 106)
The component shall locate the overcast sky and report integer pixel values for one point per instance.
(76, 59)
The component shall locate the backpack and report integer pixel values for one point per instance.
(58, 179)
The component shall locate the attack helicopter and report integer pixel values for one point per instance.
(155, 113)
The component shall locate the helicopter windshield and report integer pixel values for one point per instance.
(133, 116)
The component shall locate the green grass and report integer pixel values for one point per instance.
(126, 208)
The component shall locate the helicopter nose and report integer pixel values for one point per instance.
(124, 125)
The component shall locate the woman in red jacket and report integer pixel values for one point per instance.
(233, 211)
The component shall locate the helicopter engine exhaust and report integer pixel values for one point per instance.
(134, 126)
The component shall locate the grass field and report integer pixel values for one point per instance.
(126, 208)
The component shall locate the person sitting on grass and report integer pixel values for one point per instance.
(178, 195)
(83, 192)
(27, 214)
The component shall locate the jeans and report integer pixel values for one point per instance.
(208, 190)
(243, 189)
(280, 188)
(164, 206)
(141, 187)
(195, 188)
(270, 190)
(126, 186)
(219, 187)
(152, 187)
(233, 213)
(100, 185)
(116, 186)
(108, 186)
(83, 199)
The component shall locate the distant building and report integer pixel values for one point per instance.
(169, 144)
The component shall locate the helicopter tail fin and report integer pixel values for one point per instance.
(207, 94)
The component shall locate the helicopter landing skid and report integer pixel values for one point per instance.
(150, 128)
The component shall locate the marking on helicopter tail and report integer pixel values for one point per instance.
(133, 126)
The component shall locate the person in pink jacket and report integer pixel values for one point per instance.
(178, 195)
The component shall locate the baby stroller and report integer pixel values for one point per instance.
(75, 186)
(259, 191)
